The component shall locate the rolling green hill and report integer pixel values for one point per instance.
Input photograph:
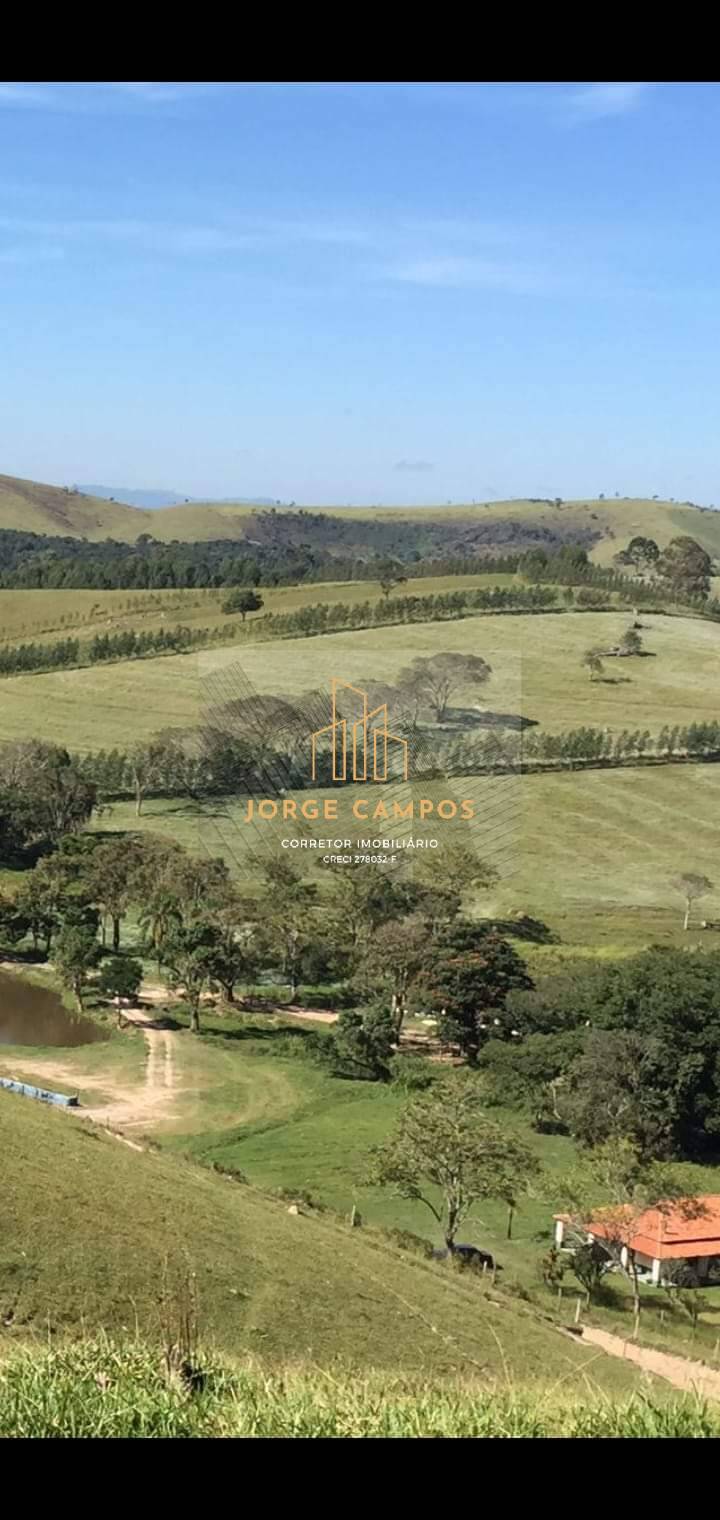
(605, 525)
(535, 664)
(91, 1230)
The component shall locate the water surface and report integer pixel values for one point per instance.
(33, 1015)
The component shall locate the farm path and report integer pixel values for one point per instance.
(691, 1377)
(130, 1106)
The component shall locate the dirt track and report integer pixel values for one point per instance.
(131, 1107)
(691, 1377)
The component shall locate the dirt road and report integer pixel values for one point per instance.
(691, 1377)
(131, 1107)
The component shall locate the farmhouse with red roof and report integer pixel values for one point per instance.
(660, 1236)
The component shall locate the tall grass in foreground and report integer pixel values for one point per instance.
(104, 1389)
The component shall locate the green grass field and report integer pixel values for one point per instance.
(46, 615)
(111, 1389)
(591, 853)
(88, 1224)
(102, 1218)
(92, 1230)
(535, 662)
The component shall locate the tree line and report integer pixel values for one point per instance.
(196, 762)
(577, 748)
(305, 622)
(629, 1050)
(64, 654)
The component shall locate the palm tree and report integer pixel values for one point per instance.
(158, 918)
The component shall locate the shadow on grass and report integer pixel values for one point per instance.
(24, 957)
(465, 718)
(256, 1032)
(527, 928)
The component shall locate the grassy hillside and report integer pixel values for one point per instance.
(238, 1097)
(593, 853)
(40, 508)
(46, 615)
(32, 507)
(107, 1389)
(535, 663)
(91, 1229)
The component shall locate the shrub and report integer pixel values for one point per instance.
(300, 1195)
(412, 1073)
(405, 1240)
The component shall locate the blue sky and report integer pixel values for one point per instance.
(362, 293)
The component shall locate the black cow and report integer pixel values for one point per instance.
(469, 1256)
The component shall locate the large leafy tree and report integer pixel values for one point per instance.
(50, 796)
(456, 868)
(363, 1043)
(449, 1155)
(686, 567)
(470, 972)
(55, 893)
(120, 979)
(623, 1084)
(365, 896)
(642, 554)
(243, 601)
(151, 762)
(438, 677)
(237, 955)
(669, 1076)
(111, 877)
(395, 953)
(76, 954)
(188, 952)
(18, 824)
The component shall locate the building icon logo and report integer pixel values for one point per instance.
(363, 745)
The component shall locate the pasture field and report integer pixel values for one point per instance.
(286, 1289)
(45, 615)
(593, 853)
(240, 1100)
(535, 663)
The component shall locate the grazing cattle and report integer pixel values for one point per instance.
(470, 1256)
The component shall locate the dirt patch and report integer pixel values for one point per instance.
(691, 1377)
(131, 1106)
(318, 1015)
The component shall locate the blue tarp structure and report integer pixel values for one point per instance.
(60, 1099)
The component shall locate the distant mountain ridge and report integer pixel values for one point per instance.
(603, 525)
(153, 500)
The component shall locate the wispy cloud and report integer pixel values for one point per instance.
(101, 95)
(462, 271)
(159, 93)
(26, 95)
(414, 466)
(188, 237)
(594, 101)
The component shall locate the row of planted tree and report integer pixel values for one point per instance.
(195, 763)
(330, 617)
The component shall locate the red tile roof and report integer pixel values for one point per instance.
(668, 1234)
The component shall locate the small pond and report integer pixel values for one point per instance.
(33, 1015)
